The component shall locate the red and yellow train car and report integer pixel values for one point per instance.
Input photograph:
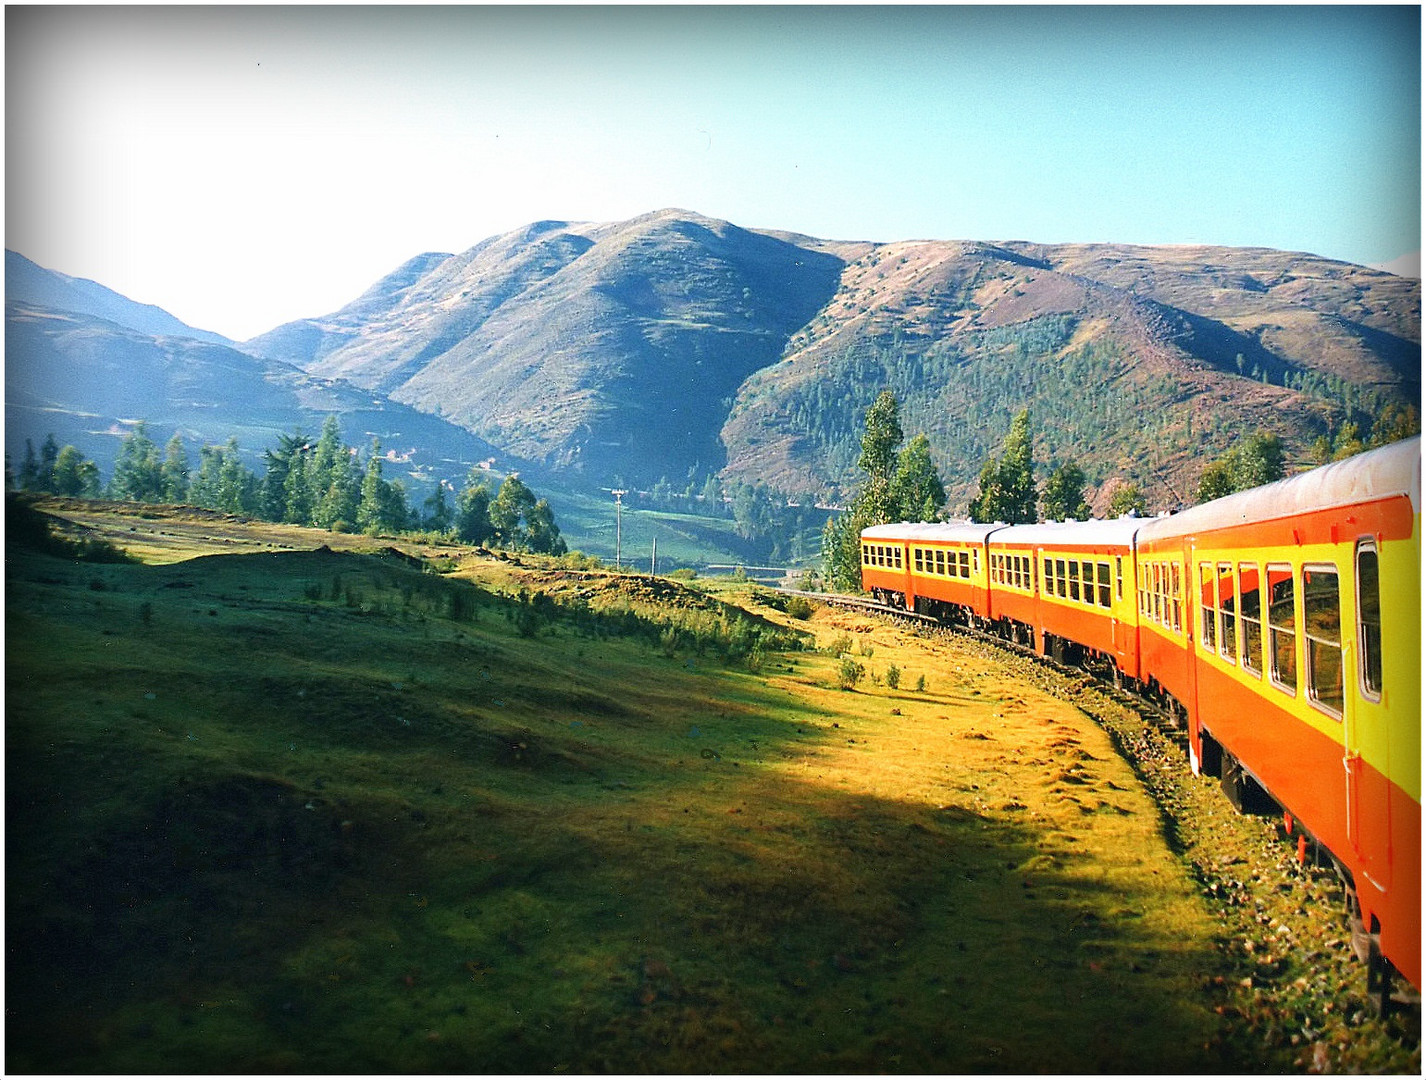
(1078, 597)
(941, 569)
(1297, 656)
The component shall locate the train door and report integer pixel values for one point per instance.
(1347, 674)
(1193, 623)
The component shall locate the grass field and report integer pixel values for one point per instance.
(329, 811)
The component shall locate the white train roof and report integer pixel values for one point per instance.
(943, 532)
(1377, 474)
(1118, 532)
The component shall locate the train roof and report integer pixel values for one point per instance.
(1116, 532)
(1377, 474)
(945, 532)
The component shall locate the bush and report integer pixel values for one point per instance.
(850, 674)
(893, 676)
(799, 607)
(920, 684)
(840, 645)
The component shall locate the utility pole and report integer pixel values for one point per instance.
(654, 560)
(619, 494)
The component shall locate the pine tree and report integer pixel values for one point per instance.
(438, 512)
(1063, 497)
(917, 489)
(137, 470)
(1007, 484)
(173, 473)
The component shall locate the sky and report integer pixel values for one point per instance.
(243, 167)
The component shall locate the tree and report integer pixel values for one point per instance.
(1127, 498)
(473, 510)
(75, 475)
(917, 489)
(541, 532)
(173, 473)
(279, 462)
(383, 505)
(49, 455)
(512, 503)
(880, 440)
(438, 512)
(1256, 459)
(897, 487)
(1007, 484)
(1063, 497)
(29, 476)
(137, 471)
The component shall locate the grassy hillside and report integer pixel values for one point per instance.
(333, 811)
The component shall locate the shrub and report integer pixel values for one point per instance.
(840, 645)
(850, 674)
(893, 676)
(799, 607)
(920, 684)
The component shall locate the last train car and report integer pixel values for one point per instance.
(1287, 621)
(936, 568)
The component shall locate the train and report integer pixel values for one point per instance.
(1280, 627)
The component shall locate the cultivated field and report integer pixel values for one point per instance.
(370, 807)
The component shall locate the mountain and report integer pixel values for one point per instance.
(87, 380)
(26, 282)
(606, 349)
(675, 345)
(679, 346)
(1138, 362)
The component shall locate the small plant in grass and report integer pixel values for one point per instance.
(866, 649)
(840, 644)
(893, 676)
(849, 674)
(799, 607)
(920, 684)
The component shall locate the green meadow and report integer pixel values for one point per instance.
(360, 811)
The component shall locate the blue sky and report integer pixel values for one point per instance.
(246, 166)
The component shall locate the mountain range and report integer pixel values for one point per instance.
(679, 346)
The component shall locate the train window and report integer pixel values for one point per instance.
(1250, 611)
(1228, 608)
(940, 562)
(1176, 596)
(965, 564)
(1143, 589)
(1061, 578)
(1074, 579)
(916, 559)
(1208, 607)
(866, 555)
(1105, 596)
(1049, 577)
(1157, 593)
(1369, 618)
(1282, 628)
(1087, 574)
(897, 557)
(1322, 628)
(1119, 577)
